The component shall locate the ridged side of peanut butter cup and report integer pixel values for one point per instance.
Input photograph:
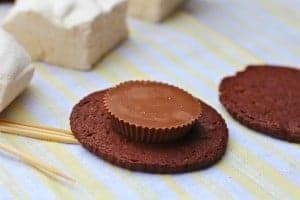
(151, 112)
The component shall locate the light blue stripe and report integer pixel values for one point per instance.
(154, 182)
(25, 173)
(231, 186)
(142, 64)
(265, 154)
(5, 194)
(255, 176)
(39, 85)
(105, 173)
(93, 81)
(261, 33)
(183, 38)
(255, 40)
(193, 187)
(181, 75)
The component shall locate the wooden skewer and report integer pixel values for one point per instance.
(48, 129)
(34, 162)
(39, 135)
(35, 129)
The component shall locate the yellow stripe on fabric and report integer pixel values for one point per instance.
(74, 162)
(19, 113)
(250, 161)
(237, 62)
(268, 171)
(183, 46)
(12, 186)
(207, 38)
(213, 186)
(282, 178)
(52, 109)
(143, 194)
(238, 21)
(143, 191)
(20, 145)
(72, 74)
(252, 185)
(134, 71)
(174, 59)
(15, 113)
(119, 64)
(169, 180)
(122, 60)
(55, 82)
(159, 68)
(74, 167)
(291, 49)
(282, 12)
(267, 145)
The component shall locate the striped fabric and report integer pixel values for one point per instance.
(194, 49)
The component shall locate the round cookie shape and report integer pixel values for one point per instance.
(265, 98)
(203, 146)
(152, 112)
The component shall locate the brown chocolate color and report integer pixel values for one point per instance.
(151, 112)
(203, 146)
(265, 98)
(152, 104)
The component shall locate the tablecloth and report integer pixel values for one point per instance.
(193, 49)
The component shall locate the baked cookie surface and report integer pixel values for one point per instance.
(202, 147)
(266, 99)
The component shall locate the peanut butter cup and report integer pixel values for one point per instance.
(151, 112)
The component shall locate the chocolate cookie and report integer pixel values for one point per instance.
(204, 145)
(266, 99)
